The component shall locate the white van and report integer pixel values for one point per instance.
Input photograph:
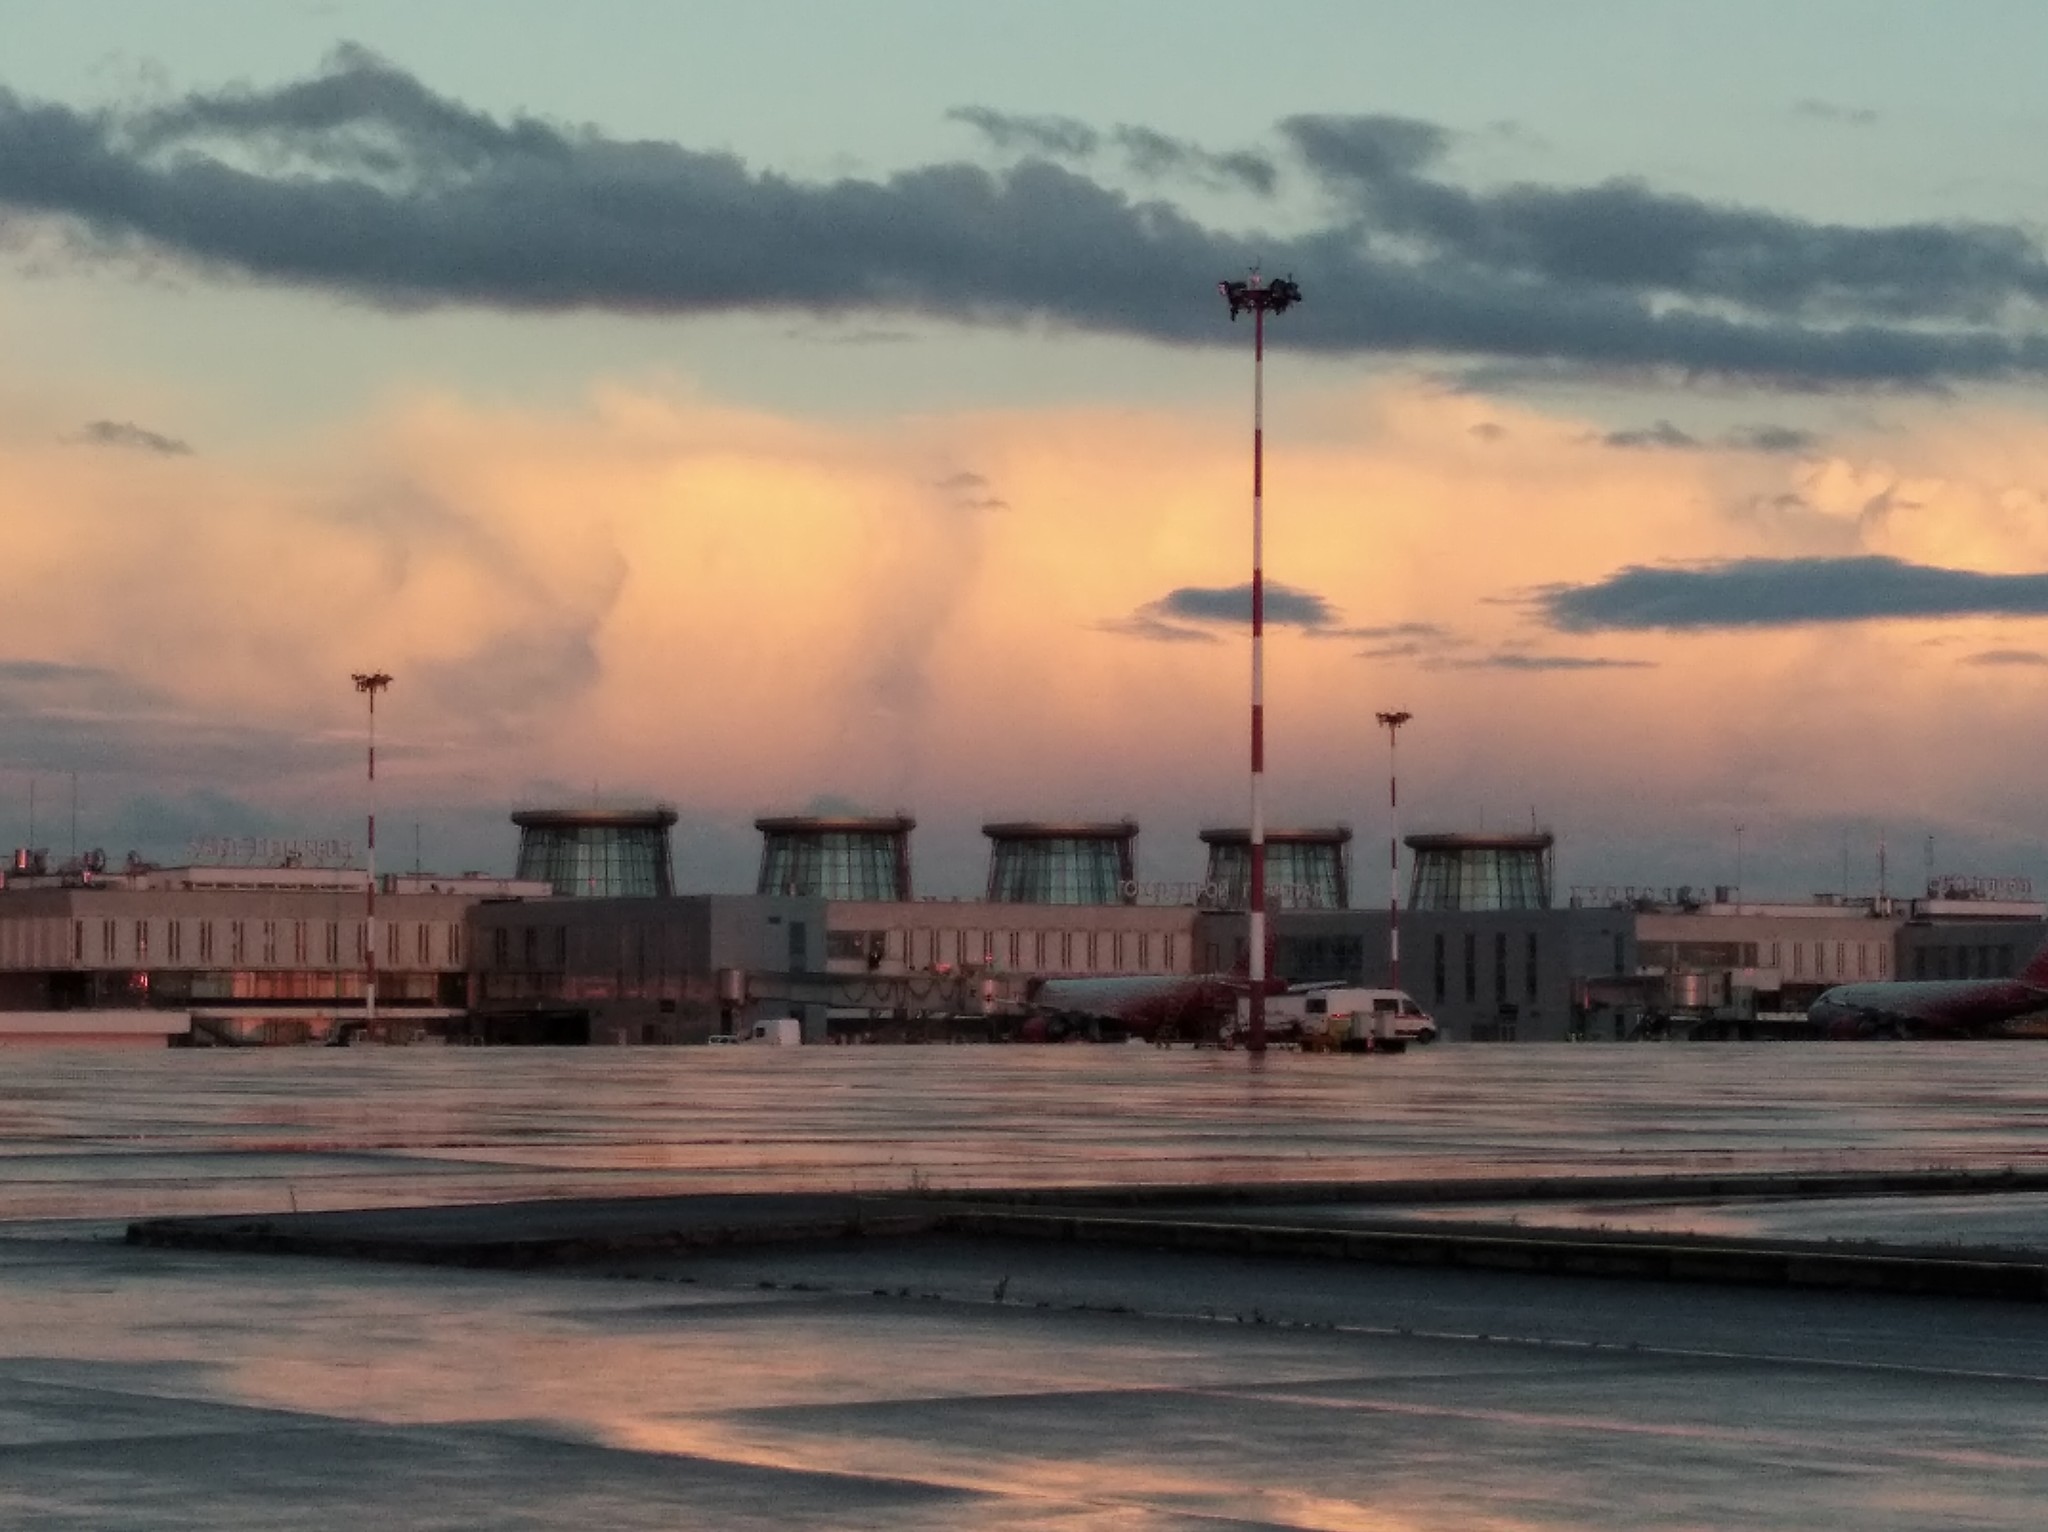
(1342, 1013)
(780, 1032)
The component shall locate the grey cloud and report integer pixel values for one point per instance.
(126, 434)
(1662, 434)
(1762, 593)
(362, 183)
(1623, 237)
(60, 717)
(164, 825)
(866, 335)
(1782, 439)
(1828, 111)
(1143, 624)
(1152, 153)
(1168, 619)
(1366, 150)
(1285, 605)
(1421, 630)
(1406, 650)
(1147, 151)
(1065, 137)
(972, 491)
(2008, 657)
(1516, 659)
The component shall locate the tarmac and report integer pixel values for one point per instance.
(1721, 1289)
(1341, 1222)
(768, 1375)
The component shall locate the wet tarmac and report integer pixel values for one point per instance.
(959, 1382)
(132, 1135)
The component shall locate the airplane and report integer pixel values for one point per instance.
(1155, 1008)
(2016, 1007)
(1204, 1007)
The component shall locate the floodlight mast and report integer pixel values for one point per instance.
(1259, 298)
(1392, 722)
(370, 683)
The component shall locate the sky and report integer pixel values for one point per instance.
(796, 406)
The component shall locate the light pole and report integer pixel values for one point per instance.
(1260, 297)
(1392, 722)
(1738, 869)
(370, 683)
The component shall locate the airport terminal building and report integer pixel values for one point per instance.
(233, 955)
(593, 944)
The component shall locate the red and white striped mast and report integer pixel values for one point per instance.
(1392, 722)
(1260, 297)
(370, 684)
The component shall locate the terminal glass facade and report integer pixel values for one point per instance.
(836, 864)
(1301, 874)
(1060, 869)
(597, 860)
(1480, 877)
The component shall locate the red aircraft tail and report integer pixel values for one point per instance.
(2036, 971)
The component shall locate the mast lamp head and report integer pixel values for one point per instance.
(372, 682)
(1274, 297)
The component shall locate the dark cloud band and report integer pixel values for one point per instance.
(1773, 593)
(361, 182)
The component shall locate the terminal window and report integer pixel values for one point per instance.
(1471, 965)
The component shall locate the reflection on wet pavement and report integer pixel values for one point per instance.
(949, 1383)
(132, 1135)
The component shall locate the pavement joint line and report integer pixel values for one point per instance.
(582, 1231)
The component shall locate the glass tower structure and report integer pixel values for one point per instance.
(1480, 872)
(597, 853)
(1305, 869)
(836, 858)
(1042, 863)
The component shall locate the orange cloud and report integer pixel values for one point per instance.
(743, 611)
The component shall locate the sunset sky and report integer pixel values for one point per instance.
(779, 405)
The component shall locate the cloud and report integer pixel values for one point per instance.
(1764, 593)
(1144, 624)
(1285, 605)
(1828, 111)
(1147, 151)
(1405, 630)
(363, 183)
(1663, 435)
(2016, 657)
(1167, 619)
(1787, 440)
(1065, 137)
(971, 492)
(1159, 155)
(126, 434)
(1516, 659)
